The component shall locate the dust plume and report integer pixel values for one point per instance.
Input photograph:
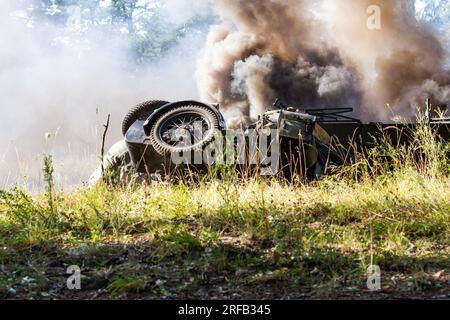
(321, 54)
(399, 65)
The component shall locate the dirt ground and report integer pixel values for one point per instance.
(139, 270)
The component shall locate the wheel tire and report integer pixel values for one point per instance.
(140, 112)
(207, 115)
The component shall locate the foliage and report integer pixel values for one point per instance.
(145, 25)
(174, 240)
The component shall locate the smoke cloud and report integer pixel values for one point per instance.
(322, 54)
(64, 82)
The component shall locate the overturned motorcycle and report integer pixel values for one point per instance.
(170, 139)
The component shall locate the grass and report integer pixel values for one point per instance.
(231, 238)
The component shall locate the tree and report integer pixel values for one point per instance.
(143, 24)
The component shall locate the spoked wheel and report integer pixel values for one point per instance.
(184, 129)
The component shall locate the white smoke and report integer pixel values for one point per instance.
(65, 81)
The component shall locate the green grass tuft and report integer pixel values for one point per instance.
(241, 238)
